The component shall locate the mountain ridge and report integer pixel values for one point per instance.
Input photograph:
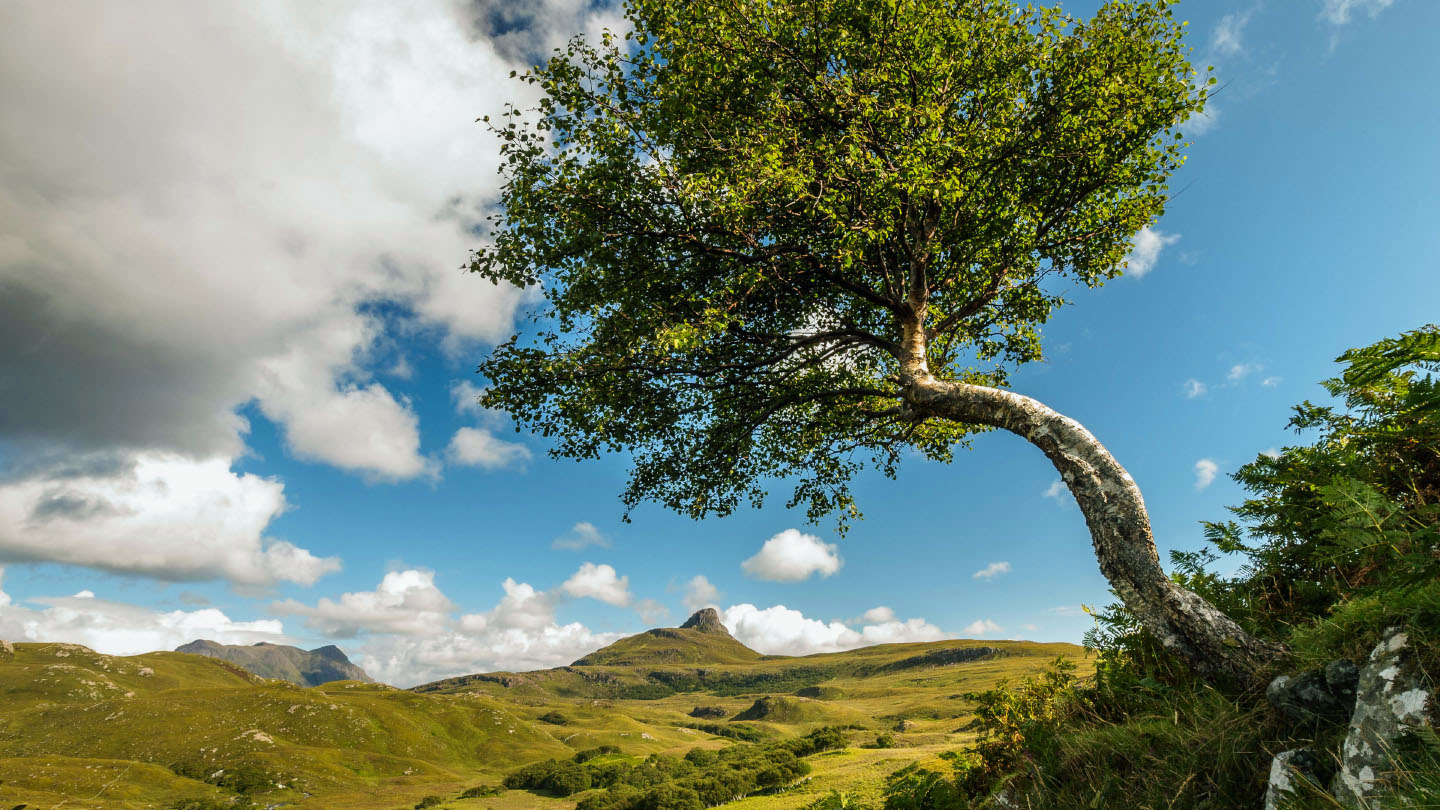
(281, 661)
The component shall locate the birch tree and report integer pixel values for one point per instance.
(792, 239)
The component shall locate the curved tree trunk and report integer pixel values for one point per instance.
(1190, 627)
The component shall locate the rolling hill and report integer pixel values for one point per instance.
(702, 639)
(95, 731)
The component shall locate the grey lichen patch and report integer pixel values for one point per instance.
(1287, 771)
(1391, 697)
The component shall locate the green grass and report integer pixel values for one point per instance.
(142, 732)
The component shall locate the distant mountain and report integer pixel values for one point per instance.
(305, 667)
(702, 639)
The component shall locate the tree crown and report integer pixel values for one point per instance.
(752, 220)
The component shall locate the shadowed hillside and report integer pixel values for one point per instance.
(303, 667)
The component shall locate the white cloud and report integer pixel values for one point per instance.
(651, 611)
(162, 516)
(992, 570)
(1194, 388)
(458, 650)
(1068, 610)
(1338, 12)
(982, 627)
(792, 556)
(1145, 248)
(1272, 452)
(477, 447)
(1226, 40)
(598, 582)
(1058, 492)
(699, 593)
(878, 615)
(1205, 470)
(1270, 382)
(191, 246)
(404, 602)
(252, 234)
(1029, 628)
(779, 630)
(582, 535)
(413, 634)
(117, 628)
(467, 398)
(1240, 371)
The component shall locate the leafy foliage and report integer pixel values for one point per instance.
(746, 216)
(1356, 513)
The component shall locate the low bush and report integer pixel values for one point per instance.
(702, 778)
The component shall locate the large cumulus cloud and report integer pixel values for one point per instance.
(204, 207)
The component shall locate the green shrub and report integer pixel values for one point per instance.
(554, 718)
(735, 731)
(670, 797)
(481, 792)
(600, 751)
(551, 776)
(428, 802)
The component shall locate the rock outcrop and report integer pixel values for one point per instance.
(1391, 697)
(706, 620)
(1318, 696)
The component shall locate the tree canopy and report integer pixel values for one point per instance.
(754, 222)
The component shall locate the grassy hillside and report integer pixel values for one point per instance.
(146, 731)
(165, 724)
(671, 645)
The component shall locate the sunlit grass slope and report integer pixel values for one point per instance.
(175, 720)
(95, 731)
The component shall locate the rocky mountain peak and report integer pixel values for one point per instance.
(706, 620)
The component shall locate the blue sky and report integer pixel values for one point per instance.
(237, 341)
